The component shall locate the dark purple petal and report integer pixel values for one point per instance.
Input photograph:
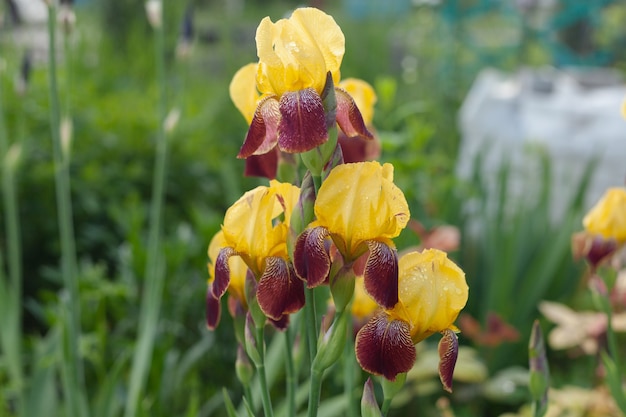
(358, 149)
(448, 353)
(264, 165)
(384, 347)
(279, 291)
(311, 258)
(222, 272)
(381, 274)
(303, 122)
(349, 116)
(213, 309)
(263, 133)
(280, 324)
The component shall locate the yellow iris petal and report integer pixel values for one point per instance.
(257, 225)
(364, 96)
(608, 217)
(360, 202)
(432, 291)
(243, 91)
(238, 268)
(296, 53)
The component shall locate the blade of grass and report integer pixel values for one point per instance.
(155, 264)
(72, 369)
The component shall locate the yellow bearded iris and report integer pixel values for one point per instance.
(298, 52)
(364, 96)
(608, 217)
(359, 202)
(257, 225)
(431, 291)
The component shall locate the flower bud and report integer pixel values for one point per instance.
(250, 339)
(342, 286)
(369, 406)
(243, 367)
(332, 342)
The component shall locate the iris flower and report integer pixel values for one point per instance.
(608, 217)
(282, 96)
(432, 292)
(359, 209)
(255, 229)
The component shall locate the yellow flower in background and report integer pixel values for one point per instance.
(360, 209)
(608, 217)
(297, 53)
(363, 306)
(255, 230)
(432, 291)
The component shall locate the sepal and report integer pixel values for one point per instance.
(448, 353)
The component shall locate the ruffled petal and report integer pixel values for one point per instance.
(279, 291)
(262, 135)
(381, 274)
(265, 165)
(448, 353)
(302, 124)
(349, 117)
(311, 258)
(213, 309)
(222, 272)
(384, 347)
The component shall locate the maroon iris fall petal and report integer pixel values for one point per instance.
(311, 258)
(303, 122)
(280, 324)
(279, 291)
(381, 274)
(263, 132)
(384, 347)
(448, 353)
(222, 272)
(349, 116)
(213, 309)
(264, 165)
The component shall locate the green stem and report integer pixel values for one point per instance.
(386, 405)
(155, 263)
(260, 367)
(349, 375)
(315, 390)
(73, 375)
(290, 374)
(310, 318)
(611, 340)
(247, 393)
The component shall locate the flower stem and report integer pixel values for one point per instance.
(310, 317)
(290, 374)
(260, 367)
(349, 375)
(72, 374)
(155, 264)
(386, 405)
(315, 390)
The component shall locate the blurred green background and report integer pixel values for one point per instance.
(421, 57)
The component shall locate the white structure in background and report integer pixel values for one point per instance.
(31, 11)
(573, 117)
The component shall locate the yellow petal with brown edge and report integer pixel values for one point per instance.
(243, 91)
(360, 202)
(432, 291)
(237, 266)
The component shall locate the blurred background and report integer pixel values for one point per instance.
(502, 119)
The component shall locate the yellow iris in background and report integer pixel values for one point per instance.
(608, 217)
